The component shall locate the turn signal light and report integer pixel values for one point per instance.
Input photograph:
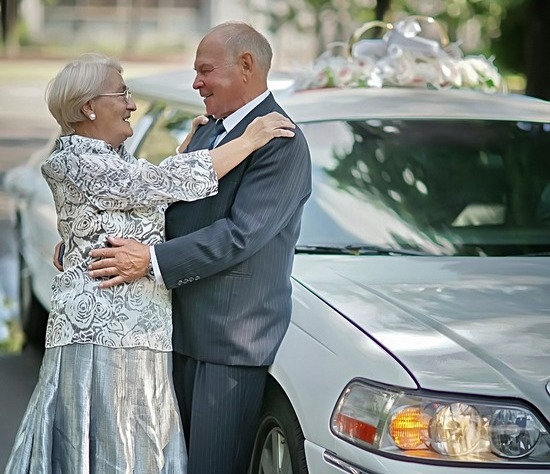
(409, 428)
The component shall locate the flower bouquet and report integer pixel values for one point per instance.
(402, 57)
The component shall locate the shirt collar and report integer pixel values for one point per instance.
(232, 120)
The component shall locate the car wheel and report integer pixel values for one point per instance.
(34, 316)
(279, 445)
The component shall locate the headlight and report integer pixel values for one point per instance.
(431, 427)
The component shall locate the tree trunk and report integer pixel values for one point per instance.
(537, 58)
(9, 22)
(382, 6)
(3, 20)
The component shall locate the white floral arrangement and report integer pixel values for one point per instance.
(401, 58)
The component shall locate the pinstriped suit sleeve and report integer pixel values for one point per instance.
(275, 185)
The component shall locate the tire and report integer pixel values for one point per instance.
(279, 445)
(33, 315)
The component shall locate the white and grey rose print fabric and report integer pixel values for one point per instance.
(99, 191)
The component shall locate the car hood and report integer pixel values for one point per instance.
(472, 325)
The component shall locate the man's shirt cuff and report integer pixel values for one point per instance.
(155, 264)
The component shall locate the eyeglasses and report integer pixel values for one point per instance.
(126, 94)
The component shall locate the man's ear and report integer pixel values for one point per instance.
(246, 63)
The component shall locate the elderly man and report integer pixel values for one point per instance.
(227, 258)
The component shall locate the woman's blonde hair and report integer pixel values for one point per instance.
(78, 82)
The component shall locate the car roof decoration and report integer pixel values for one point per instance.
(409, 54)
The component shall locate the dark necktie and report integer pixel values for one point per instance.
(216, 132)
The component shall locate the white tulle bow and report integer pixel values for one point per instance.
(402, 57)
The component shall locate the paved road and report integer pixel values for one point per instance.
(18, 373)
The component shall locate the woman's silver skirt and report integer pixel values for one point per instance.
(101, 410)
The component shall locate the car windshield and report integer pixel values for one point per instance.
(441, 187)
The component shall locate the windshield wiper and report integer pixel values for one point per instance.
(354, 250)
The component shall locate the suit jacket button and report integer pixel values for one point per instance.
(180, 282)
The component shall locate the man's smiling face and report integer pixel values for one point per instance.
(218, 78)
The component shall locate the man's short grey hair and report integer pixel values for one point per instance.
(242, 37)
(78, 82)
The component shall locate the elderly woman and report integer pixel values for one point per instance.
(104, 401)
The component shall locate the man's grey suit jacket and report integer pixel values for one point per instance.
(228, 258)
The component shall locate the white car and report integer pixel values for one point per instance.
(420, 336)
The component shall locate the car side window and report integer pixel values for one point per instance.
(167, 130)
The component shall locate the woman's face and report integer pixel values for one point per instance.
(112, 112)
